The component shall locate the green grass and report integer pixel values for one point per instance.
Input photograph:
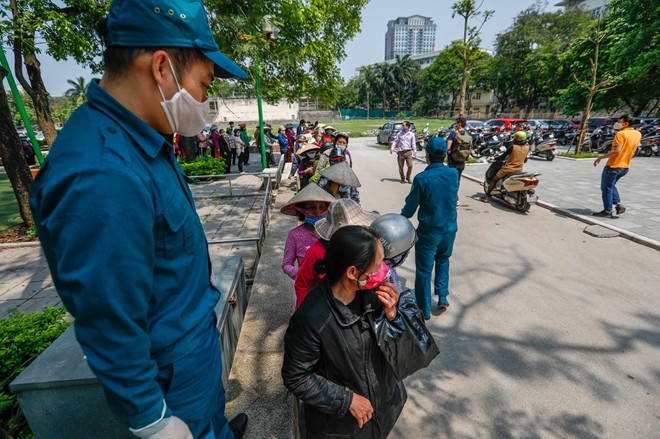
(582, 155)
(9, 215)
(358, 127)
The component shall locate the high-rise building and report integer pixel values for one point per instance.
(409, 36)
(595, 6)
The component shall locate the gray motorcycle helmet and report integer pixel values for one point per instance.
(397, 234)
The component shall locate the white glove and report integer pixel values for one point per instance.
(174, 429)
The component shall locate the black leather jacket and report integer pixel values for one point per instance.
(329, 353)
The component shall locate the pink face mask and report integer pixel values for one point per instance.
(374, 280)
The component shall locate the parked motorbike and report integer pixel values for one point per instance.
(518, 190)
(485, 144)
(422, 138)
(649, 146)
(543, 145)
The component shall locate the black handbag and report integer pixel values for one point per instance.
(416, 347)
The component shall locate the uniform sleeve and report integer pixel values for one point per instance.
(302, 350)
(412, 200)
(96, 228)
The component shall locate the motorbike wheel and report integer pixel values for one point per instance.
(475, 154)
(646, 151)
(523, 205)
(549, 155)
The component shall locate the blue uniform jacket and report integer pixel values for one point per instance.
(126, 250)
(434, 191)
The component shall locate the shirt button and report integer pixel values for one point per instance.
(112, 130)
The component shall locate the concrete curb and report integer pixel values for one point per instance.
(20, 244)
(588, 220)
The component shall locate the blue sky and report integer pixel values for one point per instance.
(367, 47)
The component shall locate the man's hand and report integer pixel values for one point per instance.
(388, 295)
(361, 409)
(175, 429)
(597, 161)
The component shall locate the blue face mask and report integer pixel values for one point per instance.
(313, 219)
(344, 189)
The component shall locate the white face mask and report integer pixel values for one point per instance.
(186, 115)
(617, 126)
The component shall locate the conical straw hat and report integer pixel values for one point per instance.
(311, 192)
(341, 173)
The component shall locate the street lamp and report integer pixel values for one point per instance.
(269, 31)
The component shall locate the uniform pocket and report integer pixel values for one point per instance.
(180, 229)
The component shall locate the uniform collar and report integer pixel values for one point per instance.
(144, 136)
(435, 165)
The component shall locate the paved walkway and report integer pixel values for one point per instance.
(574, 186)
(228, 212)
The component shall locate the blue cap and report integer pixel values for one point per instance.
(167, 23)
(436, 145)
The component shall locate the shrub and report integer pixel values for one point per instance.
(22, 338)
(205, 166)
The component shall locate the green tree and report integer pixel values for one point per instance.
(588, 60)
(366, 83)
(468, 9)
(443, 77)
(633, 54)
(384, 80)
(303, 60)
(348, 96)
(526, 67)
(78, 91)
(404, 72)
(66, 28)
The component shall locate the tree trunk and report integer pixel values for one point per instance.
(39, 96)
(35, 88)
(367, 104)
(11, 152)
(584, 125)
(188, 144)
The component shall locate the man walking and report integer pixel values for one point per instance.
(119, 229)
(459, 145)
(434, 191)
(405, 144)
(624, 146)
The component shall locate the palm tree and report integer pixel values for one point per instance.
(405, 72)
(366, 81)
(384, 79)
(78, 91)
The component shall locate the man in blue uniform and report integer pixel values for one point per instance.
(434, 191)
(119, 229)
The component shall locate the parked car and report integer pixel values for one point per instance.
(507, 124)
(389, 130)
(472, 125)
(539, 124)
(563, 124)
(597, 122)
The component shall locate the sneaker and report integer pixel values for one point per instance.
(602, 214)
(443, 305)
(458, 203)
(427, 316)
(409, 181)
(620, 209)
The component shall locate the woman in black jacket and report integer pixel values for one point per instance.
(332, 359)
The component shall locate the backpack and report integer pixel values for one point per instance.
(461, 147)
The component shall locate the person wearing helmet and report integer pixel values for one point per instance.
(398, 236)
(341, 141)
(515, 156)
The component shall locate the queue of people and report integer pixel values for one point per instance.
(342, 260)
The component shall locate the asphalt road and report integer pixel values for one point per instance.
(551, 333)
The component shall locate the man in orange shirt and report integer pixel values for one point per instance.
(624, 146)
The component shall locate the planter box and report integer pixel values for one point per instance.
(61, 397)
